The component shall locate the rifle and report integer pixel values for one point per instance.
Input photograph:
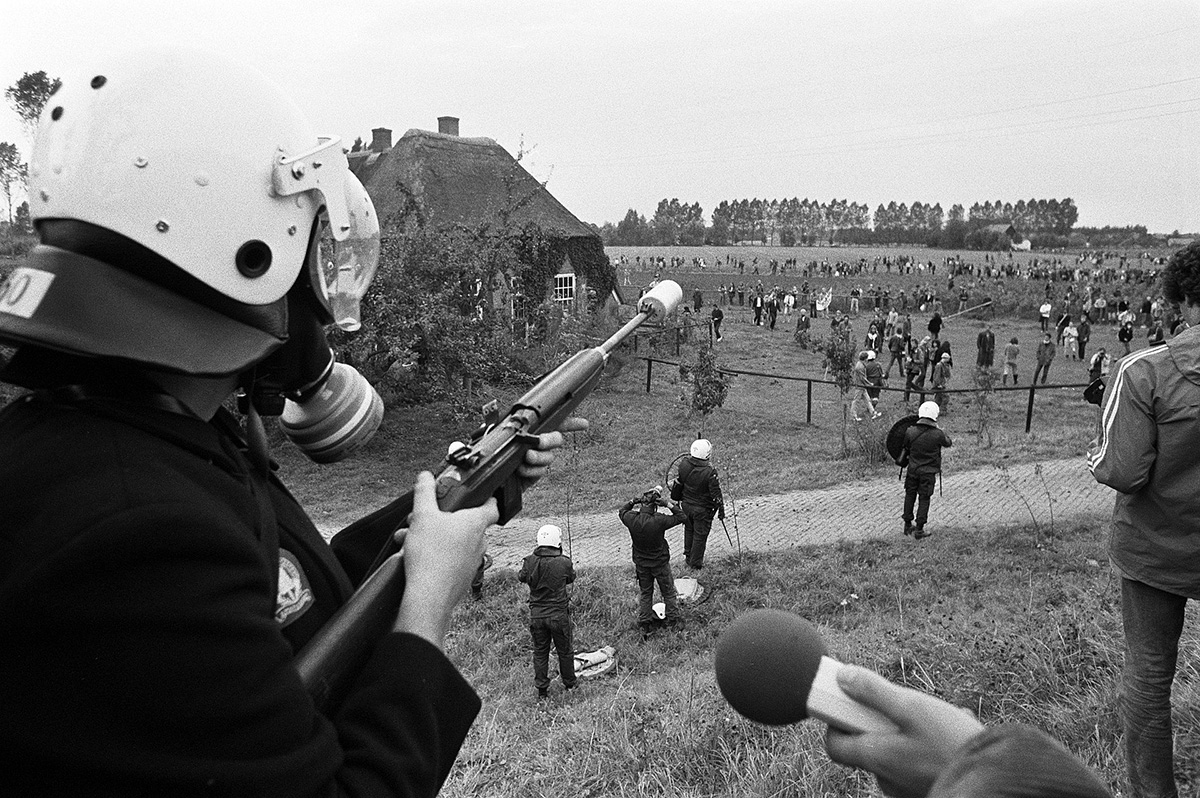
(485, 466)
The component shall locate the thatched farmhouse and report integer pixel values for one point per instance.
(1016, 241)
(442, 180)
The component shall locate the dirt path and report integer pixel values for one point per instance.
(1056, 490)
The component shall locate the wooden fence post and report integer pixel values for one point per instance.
(808, 409)
(1029, 409)
(649, 363)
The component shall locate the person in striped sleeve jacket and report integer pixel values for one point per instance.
(1149, 451)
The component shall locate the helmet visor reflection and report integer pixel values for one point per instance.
(344, 268)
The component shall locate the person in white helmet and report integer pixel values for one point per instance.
(699, 489)
(156, 578)
(548, 571)
(922, 453)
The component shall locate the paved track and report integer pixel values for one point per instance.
(851, 511)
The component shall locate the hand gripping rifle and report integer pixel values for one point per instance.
(483, 467)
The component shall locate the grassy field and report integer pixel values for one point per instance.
(763, 443)
(983, 618)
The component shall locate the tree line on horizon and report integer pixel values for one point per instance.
(1047, 223)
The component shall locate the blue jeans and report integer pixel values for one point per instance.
(1153, 621)
(558, 630)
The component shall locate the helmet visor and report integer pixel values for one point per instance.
(344, 266)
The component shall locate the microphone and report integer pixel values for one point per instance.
(772, 668)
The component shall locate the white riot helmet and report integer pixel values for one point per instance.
(550, 535)
(701, 449)
(186, 209)
(209, 166)
(929, 410)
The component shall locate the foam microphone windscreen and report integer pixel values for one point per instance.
(766, 662)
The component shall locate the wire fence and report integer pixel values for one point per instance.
(829, 392)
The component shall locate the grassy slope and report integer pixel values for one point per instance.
(984, 619)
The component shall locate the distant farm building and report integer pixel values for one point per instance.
(441, 180)
(1016, 241)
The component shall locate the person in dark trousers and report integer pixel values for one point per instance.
(914, 366)
(548, 571)
(1149, 451)
(985, 343)
(896, 349)
(935, 326)
(156, 576)
(700, 497)
(940, 378)
(1125, 336)
(758, 302)
(718, 316)
(922, 454)
(652, 554)
(1044, 356)
(1011, 353)
(1085, 335)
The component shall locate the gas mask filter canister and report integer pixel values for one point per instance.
(333, 421)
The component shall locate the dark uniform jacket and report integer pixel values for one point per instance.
(648, 532)
(701, 488)
(154, 588)
(924, 441)
(547, 572)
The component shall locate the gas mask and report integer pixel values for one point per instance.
(326, 408)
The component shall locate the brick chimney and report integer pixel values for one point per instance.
(448, 125)
(381, 139)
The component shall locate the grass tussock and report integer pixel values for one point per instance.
(984, 619)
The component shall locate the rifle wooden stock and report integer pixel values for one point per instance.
(483, 468)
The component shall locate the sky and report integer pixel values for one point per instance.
(617, 105)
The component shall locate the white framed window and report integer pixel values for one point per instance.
(564, 288)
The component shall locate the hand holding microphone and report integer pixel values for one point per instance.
(772, 667)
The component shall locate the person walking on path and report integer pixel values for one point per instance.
(1045, 356)
(1149, 451)
(1044, 315)
(700, 495)
(548, 571)
(922, 454)
(718, 316)
(651, 554)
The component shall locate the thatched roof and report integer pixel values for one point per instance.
(434, 179)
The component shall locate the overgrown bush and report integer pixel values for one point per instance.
(15, 244)
(702, 385)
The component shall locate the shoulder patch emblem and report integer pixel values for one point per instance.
(295, 594)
